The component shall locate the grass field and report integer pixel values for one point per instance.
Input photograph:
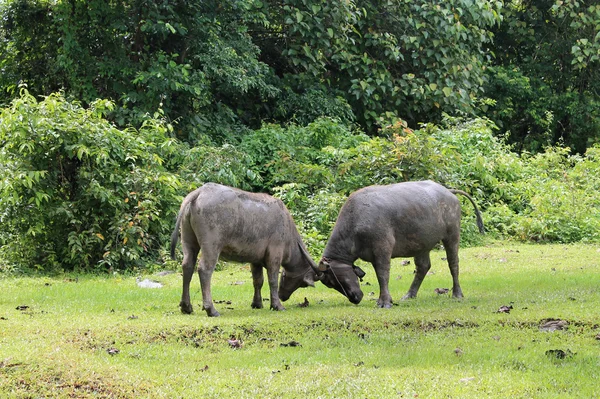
(104, 337)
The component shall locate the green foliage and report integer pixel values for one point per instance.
(547, 72)
(220, 68)
(87, 195)
(388, 59)
(225, 165)
(303, 106)
(263, 95)
(23, 57)
(546, 197)
(561, 190)
(293, 154)
(314, 213)
(315, 180)
(78, 191)
(194, 61)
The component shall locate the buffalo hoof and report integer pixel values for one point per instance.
(212, 312)
(384, 304)
(186, 308)
(277, 308)
(258, 305)
(408, 296)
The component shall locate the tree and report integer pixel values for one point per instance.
(546, 74)
(220, 68)
(394, 59)
(192, 61)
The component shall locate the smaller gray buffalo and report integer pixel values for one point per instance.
(378, 223)
(243, 227)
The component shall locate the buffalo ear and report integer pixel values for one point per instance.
(359, 272)
(309, 281)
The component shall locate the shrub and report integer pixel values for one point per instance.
(225, 165)
(77, 193)
(314, 213)
(293, 154)
(561, 190)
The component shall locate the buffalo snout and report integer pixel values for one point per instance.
(284, 296)
(355, 297)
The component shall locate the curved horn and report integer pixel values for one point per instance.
(310, 260)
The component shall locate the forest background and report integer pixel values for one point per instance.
(110, 112)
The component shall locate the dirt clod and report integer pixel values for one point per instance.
(559, 353)
(553, 325)
(304, 304)
(234, 343)
(291, 343)
(504, 309)
(112, 351)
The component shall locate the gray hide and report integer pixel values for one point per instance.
(378, 223)
(243, 227)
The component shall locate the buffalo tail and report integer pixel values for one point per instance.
(182, 210)
(477, 213)
(175, 234)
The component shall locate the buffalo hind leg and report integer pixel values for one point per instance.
(205, 271)
(451, 247)
(422, 266)
(190, 249)
(257, 280)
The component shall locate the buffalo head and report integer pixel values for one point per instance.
(342, 277)
(288, 283)
(304, 276)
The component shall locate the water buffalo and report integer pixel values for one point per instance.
(244, 227)
(378, 223)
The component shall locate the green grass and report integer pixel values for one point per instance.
(433, 346)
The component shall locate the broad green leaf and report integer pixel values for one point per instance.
(170, 27)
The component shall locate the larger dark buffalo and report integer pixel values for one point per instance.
(378, 223)
(244, 227)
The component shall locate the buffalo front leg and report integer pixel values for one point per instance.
(422, 266)
(257, 280)
(273, 276)
(382, 269)
(205, 271)
(452, 256)
(190, 257)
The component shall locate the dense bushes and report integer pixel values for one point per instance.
(78, 193)
(546, 197)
